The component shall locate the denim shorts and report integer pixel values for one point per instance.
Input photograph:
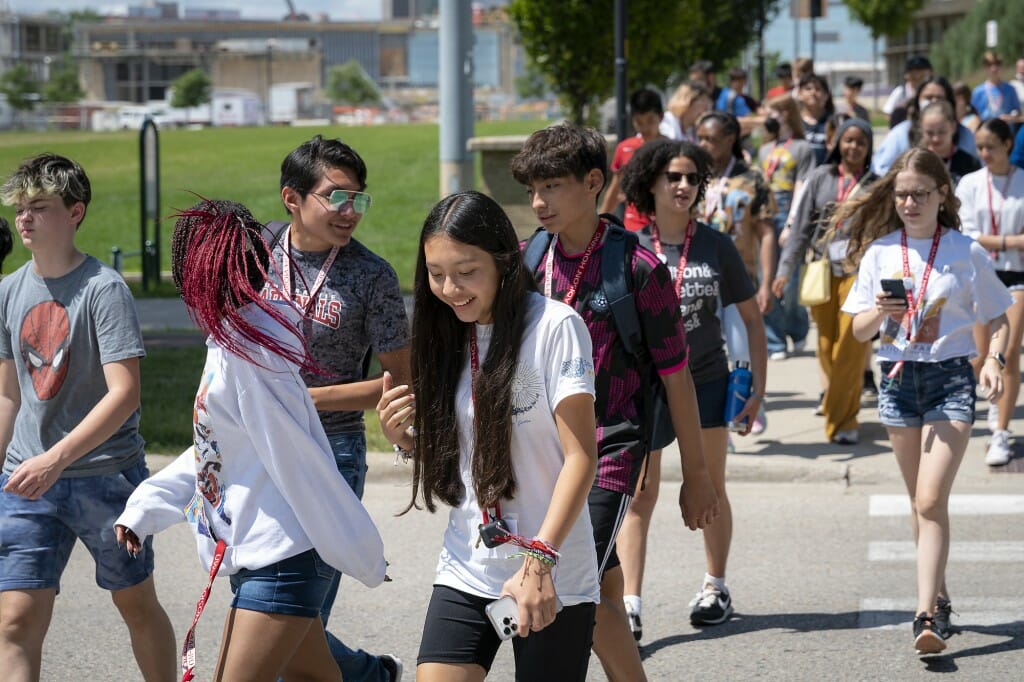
(295, 586)
(350, 456)
(925, 392)
(37, 536)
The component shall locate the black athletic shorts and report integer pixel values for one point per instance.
(456, 630)
(607, 509)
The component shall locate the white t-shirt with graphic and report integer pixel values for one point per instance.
(962, 289)
(555, 361)
(1007, 202)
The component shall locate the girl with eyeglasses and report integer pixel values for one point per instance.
(503, 407)
(907, 134)
(840, 355)
(667, 180)
(992, 212)
(923, 285)
(260, 486)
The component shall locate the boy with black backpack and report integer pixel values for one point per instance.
(564, 170)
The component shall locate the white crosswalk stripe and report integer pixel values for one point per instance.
(892, 614)
(959, 505)
(879, 612)
(995, 551)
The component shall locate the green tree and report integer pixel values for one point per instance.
(962, 46)
(191, 89)
(571, 42)
(21, 88)
(63, 85)
(884, 17)
(349, 83)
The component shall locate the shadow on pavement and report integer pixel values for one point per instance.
(818, 622)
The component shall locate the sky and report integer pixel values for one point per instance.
(251, 9)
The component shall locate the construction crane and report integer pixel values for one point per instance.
(293, 15)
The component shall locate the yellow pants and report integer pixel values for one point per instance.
(841, 357)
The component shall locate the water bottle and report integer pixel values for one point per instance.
(740, 383)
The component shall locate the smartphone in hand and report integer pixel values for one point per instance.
(894, 288)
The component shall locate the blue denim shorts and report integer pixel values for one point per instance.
(350, 456)
(295, 586)
(927, 392)
(37, 536)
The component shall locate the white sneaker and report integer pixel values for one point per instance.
(778, 355)
(998, 449)
(850, 437)
(993, 417)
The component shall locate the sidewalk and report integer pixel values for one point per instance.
(792, 449)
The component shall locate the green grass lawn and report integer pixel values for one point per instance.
(170, 377)
(243, 164)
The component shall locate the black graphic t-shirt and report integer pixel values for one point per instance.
(714, 272)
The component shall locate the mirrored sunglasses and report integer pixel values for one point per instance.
(339, 198)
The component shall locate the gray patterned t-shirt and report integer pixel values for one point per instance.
(359, 308)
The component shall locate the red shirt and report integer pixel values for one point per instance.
(633, 219)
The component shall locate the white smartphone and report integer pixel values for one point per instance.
(504, 616)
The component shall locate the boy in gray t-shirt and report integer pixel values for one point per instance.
(353, 306)
(69, 414)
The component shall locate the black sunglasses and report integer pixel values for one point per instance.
(692, 179)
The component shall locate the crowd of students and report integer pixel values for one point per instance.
(571, 360)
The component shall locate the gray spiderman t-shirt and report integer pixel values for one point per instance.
(358, 309)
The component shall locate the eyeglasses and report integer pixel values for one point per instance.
(692, 179)
(919, 195)
(340, 198)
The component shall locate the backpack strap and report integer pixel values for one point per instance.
(619, 245)
(536, 245)
(272, 232)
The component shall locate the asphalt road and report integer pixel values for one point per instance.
(822, 570)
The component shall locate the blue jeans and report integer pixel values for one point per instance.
(787, 318)
(356, 665)
(293, 587)
(925, 392)
(37, 536)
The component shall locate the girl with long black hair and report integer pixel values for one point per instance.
(504, 433)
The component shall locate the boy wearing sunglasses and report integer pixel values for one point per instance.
(353, 306)
(564, 168)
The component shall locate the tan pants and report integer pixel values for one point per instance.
(841, 357)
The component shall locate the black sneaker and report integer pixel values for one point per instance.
(943, 609)
(393, 664)
(926, 638)
(870, 389)
(710, 607)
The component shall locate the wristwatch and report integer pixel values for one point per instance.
(998, 357)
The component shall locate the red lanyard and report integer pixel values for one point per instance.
(683, 253)
(474, 368)
(286, 272)
(912, 304)
(775, 160)
(844, 189)
(1002, 199)
(188, 649)
(581, 267)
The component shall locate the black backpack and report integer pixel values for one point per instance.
(619, 246)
